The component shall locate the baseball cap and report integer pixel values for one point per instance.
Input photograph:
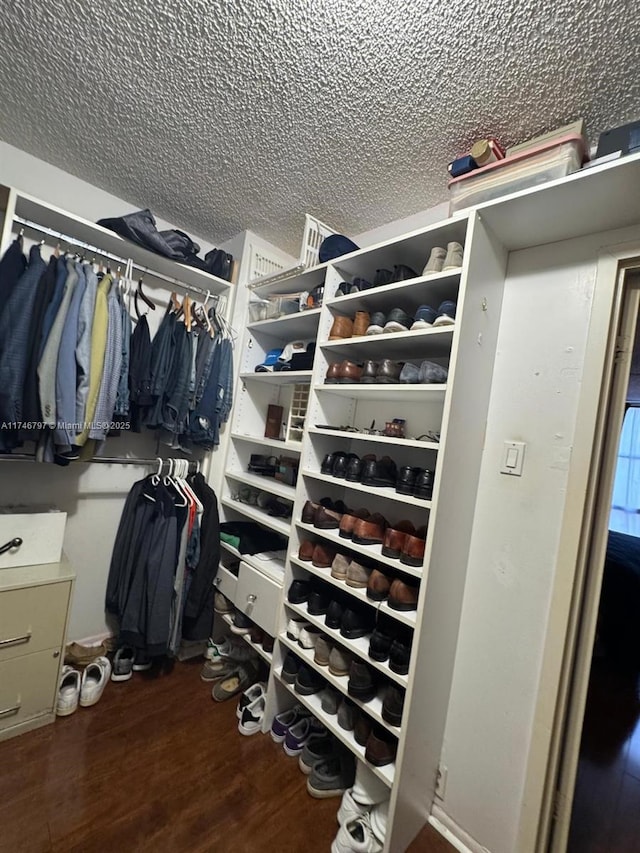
(270, 360)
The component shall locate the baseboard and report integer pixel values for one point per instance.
(456, 836)
(93, 641)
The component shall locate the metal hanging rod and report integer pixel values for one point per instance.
(219, 300)
(194, 465)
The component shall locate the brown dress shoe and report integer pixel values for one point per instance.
(369, 531)
(349, 519)
(349, 372)
(326, 519)
(332, 374)
(378, 585)
(323, 556)
(388, 372)
(403, 596)
(369, 372)
(413, 549)
(381, 747)
(395, 538)
(360, 323)
(362, 729)
(342, 327)
(309, 512)
(305, 552)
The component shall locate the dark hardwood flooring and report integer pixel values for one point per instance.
(158, 766)
(606, 808)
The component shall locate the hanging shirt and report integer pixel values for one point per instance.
(98, 346)
(83, 342)
(66, 371)
(110, 372)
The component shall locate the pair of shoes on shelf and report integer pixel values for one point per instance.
(85, 689)
(391, 641)
(351, 618)
(348, 327)
(427, 373)
(400, 594)
(441, 259)
(399, 321)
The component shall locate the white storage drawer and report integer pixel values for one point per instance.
(32, 619)
(259, 597)
(41, 533)
(226, 583)
(28, 687)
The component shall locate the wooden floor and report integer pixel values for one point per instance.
(606, 812)
(158, 766)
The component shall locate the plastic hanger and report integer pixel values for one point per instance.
(170, 481)
(184, 470)
(140, 292)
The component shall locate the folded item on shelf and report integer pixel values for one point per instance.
(140, 228)
(251, 537)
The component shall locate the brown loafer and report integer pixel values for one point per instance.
(332, 374)
(309, 512)
(378, 585)
(349, 372)
(360, 323)
(395, 538)
(403, 596)
(349, 519)
(413, 549)
(305, 552)
(323, 556)
(369, 531)
(326, 519)
(381, 747)
(342, 327)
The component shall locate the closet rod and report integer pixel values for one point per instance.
(43, 229)
(104, 460)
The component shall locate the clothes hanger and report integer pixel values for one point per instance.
(140, 292)
(187, 307)
(184, 470)
(169, 480)
(155, 478)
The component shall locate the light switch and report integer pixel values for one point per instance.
(512, 458)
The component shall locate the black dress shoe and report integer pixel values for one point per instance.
(392, 704)
(318, 603)
(380, 643)
(327, 463)
(384, 474)
(406, 481)
(333, 617)
(362, 683)
(340, 464)
(356, 623)
(401, 272)
(369, 372)
(423, 487)
(382, 276)
(399, 655)
(369, 470)
(299, 592)
(354, 470)
(308, 681)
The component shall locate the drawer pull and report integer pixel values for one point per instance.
(9, 711)
(12, 543)
(16, 641)
(252, 598)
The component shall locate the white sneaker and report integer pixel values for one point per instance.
(68, 691)
(250, 695)
(308, 637)
(294, 626)
(368, 789)
(252, 716)
(213, 648)
(94, 680)
(357, 836)
(350, 809)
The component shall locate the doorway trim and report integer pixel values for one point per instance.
(545, 803)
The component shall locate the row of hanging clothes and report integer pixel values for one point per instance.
(77, 360)
(165, 558)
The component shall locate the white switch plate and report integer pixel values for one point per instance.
(512, 458)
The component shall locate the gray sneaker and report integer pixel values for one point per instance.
(319, 747)
(214, 670)
(332, 777)
(329, 700)
(339, 661)
(238, 681)
(123, 664)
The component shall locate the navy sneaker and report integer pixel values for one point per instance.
(446, 314)
(376, 323)
(397, 321)
(424, 318)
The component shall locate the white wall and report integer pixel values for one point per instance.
(403, 226)
(93, 495)
(517, 527)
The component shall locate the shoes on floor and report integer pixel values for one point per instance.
(357, 836)
(142, 662)
(250, 695)
(215, 670)
(319, 747)
(243, 676)
(68, 691)
(122, 666)
(94, 680)
(250, 722)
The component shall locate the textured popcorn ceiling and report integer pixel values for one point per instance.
(230, 114)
